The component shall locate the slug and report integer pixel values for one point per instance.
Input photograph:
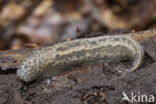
(57, 58)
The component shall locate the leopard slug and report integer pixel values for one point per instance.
(57, 58)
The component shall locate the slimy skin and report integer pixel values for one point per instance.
(52, 60)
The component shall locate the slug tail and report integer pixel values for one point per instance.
(138, 60)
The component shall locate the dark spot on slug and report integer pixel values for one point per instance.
(92, 42)
(116, 39)
(103, 39)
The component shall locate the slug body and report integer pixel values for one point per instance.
(60, 57)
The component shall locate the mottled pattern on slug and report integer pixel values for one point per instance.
(52, 60)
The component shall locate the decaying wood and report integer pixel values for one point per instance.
(12, 58)
(143, 35)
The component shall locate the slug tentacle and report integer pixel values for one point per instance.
(60, 57)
